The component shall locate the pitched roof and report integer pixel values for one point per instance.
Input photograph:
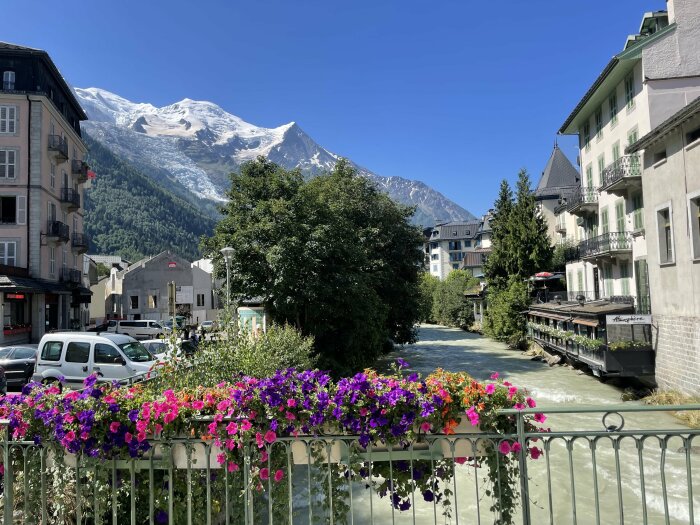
(666, 127)
(559, 174)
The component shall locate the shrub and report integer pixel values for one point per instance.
(450, 307)
(504, 318)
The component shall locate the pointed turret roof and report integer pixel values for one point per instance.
(558, 177)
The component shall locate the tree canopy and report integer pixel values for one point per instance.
(333, 256)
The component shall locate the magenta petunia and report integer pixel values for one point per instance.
(504, 447)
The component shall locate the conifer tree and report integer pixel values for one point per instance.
(496, 269)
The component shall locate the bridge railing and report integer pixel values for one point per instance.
(615, 467)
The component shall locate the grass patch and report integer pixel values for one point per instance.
(671, 397)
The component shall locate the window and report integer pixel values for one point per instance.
(659, 156)
(663, 220)
(632, 137)
(8, 80)
(8, 163)
(8, 119)
(620, 215)
(435, 268)
(107, 354)
(77, 352)
(200, 299)
(455, 266)
(455, 245)
(454, 234)
(134, 302)
(468, 232)
(580, 280)
(589, 176)
(8, 253)
(604, 221)
(435, 257)
(467, 244)
(694, 213)
(629, 91)
(692, 136)
(52, 351)
(587, 135)
(433, 245)
(599, 123)
(8, 210)
(53, 175)
(612, 102)
(616, 151)
(638, 214)
(52, 260)
(601, 167)
(51, 210)
(153, 301)
(625, 278)
(456, 256)
(608, 280)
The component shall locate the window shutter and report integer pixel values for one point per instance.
(2, 252)
(3, 119)
(11, 163)
(21, 210)
(12, 111)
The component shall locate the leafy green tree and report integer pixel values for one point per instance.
(450, 306)
(427, 285)
(333, 256)
(504, 320)
(102, 270)
(497, 266)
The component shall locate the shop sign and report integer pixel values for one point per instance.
(627, 319)
(15, 296)
(172, 264)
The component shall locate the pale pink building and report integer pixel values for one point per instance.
(42, 177)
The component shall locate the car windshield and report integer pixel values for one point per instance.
(135, 351)
(5, 352)
(158, 348)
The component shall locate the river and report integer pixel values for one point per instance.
(456, 350)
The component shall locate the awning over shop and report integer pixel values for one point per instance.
(548, 315)
(81, 295)
(11, 283)
(586, 322)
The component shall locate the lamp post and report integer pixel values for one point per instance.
(228, 255)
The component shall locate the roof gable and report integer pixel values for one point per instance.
(558, 174)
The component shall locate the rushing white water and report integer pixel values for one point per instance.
(455, 350)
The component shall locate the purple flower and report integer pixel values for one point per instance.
(90, 380)
(428, 495)
(402, 363)
(161, 517)
(133, 415)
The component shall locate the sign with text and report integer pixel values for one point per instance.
(172, 264)
(628, 319)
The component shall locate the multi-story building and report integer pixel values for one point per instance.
(457, 246)
(671, 184)
(42, 172)
(655, 75)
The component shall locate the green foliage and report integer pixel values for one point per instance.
(559, 255)
(128, 214)
(496, 268)
(332, 256)
(427, 285)
(102, 270)
(450, 307)
(505, 321)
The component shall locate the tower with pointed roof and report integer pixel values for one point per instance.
(558, 181)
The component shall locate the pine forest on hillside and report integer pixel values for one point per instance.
(128, 214)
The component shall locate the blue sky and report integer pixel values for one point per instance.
(458, 94)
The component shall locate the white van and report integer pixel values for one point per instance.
(141, 329)
(76, 355)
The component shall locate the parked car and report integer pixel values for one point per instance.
(76, 355)
(207, 326)
(139, 329)
(18, 362)
(162, 348)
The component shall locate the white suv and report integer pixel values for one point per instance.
(76, 355)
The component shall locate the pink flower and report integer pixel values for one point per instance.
(535, 452)
(289, 416)
(425, 426)
(516, 447)
(519, 406)
(270, 437)
(198, 404)
(490, 388)
(221, 458)
(291, 403)
(530, 402)
(512, 391)
(495, 375)
(504, 447)
(540, 418)
(114, 426)
(140, 437)
(85, 435)
(259, 440)
(263, 456)
(473, 416)
(128, 437)
(232, 467)
(460, 461)
(264, 473)
(231, 428)
(279, 475)
(70, 436)
(212, 427)
(245, 425)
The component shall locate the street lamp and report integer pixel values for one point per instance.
(228, 255)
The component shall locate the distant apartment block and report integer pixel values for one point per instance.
(458, 246)
(42, 176)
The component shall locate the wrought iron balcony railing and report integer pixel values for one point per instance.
(59, 146)
(58, 230)
(606, 244)
(622, 173)
(80, 242)
(70, 275)
(70, 198)
(584, 201)
(571, 254)
(79, 168)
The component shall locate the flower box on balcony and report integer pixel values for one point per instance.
(459, 446)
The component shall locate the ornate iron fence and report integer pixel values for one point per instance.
(627, 166)
(608, 242)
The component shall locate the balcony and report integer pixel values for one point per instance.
(80, 242)
(79, 168)
(57, 231)
(58, 146)
(584, 202)
(71, 276)
(572, 254)
(622, 175)
(70, 199)
(608, 245)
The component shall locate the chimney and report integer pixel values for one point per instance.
(671, 11)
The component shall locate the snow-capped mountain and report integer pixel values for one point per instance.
(197, 144)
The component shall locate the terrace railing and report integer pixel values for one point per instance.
(624, 170)
(614, 467)
(606, 244)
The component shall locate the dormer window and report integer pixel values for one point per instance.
(8, 80)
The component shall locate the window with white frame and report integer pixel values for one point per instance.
(52, 260)
(694, 214)
(8, 253)
(589, 176)
(638, 214)
(8, 119)
(52, 171)
(13, 209)
(587, 135)
(599, 123)
(200, 299)
(8, 163)
(625, 278)
(608, 280)
(8, 80)
(601, 167)
(664, 225)
(612, 102)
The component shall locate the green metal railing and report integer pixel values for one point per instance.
(613, 467)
